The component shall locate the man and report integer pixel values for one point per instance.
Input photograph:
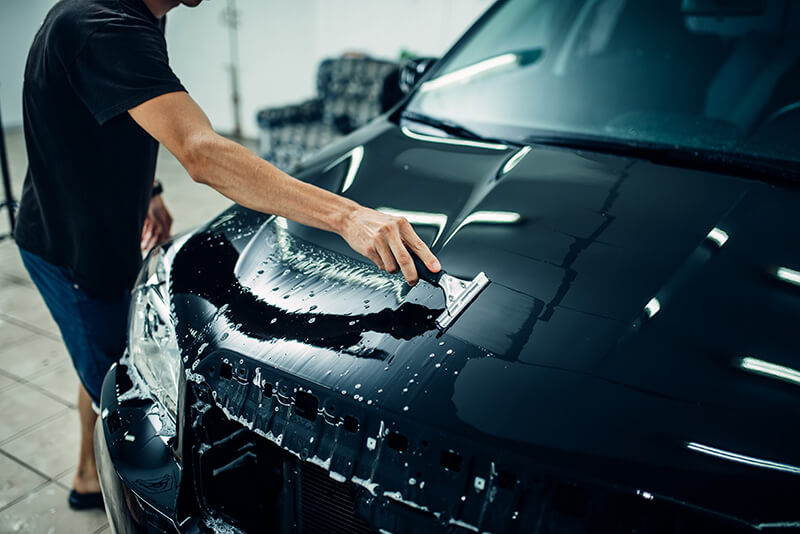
(99, 95)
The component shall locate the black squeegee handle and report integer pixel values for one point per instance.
(425, 273)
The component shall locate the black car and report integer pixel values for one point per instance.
(625, 173)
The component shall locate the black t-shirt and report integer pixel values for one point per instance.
(90, 166)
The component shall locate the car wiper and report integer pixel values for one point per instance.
(710, 160)
(452, 128)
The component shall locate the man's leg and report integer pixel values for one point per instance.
(93, 328)
(86, 480)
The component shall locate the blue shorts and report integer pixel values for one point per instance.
(94, 328)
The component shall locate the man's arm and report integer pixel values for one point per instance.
(177, 122)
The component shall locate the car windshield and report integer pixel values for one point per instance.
(712, 76)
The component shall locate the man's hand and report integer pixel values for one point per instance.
(157, 225)
(387, 240)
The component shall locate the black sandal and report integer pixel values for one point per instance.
(85, 501)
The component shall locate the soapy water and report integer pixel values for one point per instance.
(303, 334)
(336, 317)
(300, 271)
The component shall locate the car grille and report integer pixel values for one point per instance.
(327, 506)
(251, 483)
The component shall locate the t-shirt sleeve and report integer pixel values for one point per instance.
(121, 66)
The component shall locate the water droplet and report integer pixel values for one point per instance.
(431, 355)
(286, 297)
(224, 336)
(312, 308)
(261, 271)
(275, 288)
(274, 320)
(366, 301)
(441, 343)
(311, 321)
(405, 408)
(405, 390)
(449, 351)
(438, 365)
(380, 390)
(358, 386)
(366, 306)
(351, 323)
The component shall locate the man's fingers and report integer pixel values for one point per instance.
(159, 235)
(147, 233)
(403, 258)
(166, 223)
(375, 258)
(387, 257)
(148, 244)
(418, 247)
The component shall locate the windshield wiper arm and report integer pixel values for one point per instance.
(707, 160)
(451, 128)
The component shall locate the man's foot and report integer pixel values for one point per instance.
(85, 493)
(86, 481)
(85, 501)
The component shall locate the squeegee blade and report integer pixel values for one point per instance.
(461, 301)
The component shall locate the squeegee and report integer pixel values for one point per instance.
(458, 293)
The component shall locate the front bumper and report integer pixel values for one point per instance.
(139, 473)
(148, 488)
(216, 472)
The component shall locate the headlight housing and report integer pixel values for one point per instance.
(152, 343)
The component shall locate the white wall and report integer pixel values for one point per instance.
(19, 20)
(281, 43)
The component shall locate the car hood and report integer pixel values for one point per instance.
(639, 326)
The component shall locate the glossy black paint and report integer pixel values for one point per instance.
(557, 368)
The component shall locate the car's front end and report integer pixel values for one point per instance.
(631, 367)
(310, 392)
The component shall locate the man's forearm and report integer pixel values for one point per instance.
(176, 121)
(254, 183)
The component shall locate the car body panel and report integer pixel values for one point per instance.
(608, 348)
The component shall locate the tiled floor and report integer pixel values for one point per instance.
(38, 387)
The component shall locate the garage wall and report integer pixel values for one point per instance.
(280, 45)
(19, 20)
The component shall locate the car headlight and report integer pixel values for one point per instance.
(152, 343)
